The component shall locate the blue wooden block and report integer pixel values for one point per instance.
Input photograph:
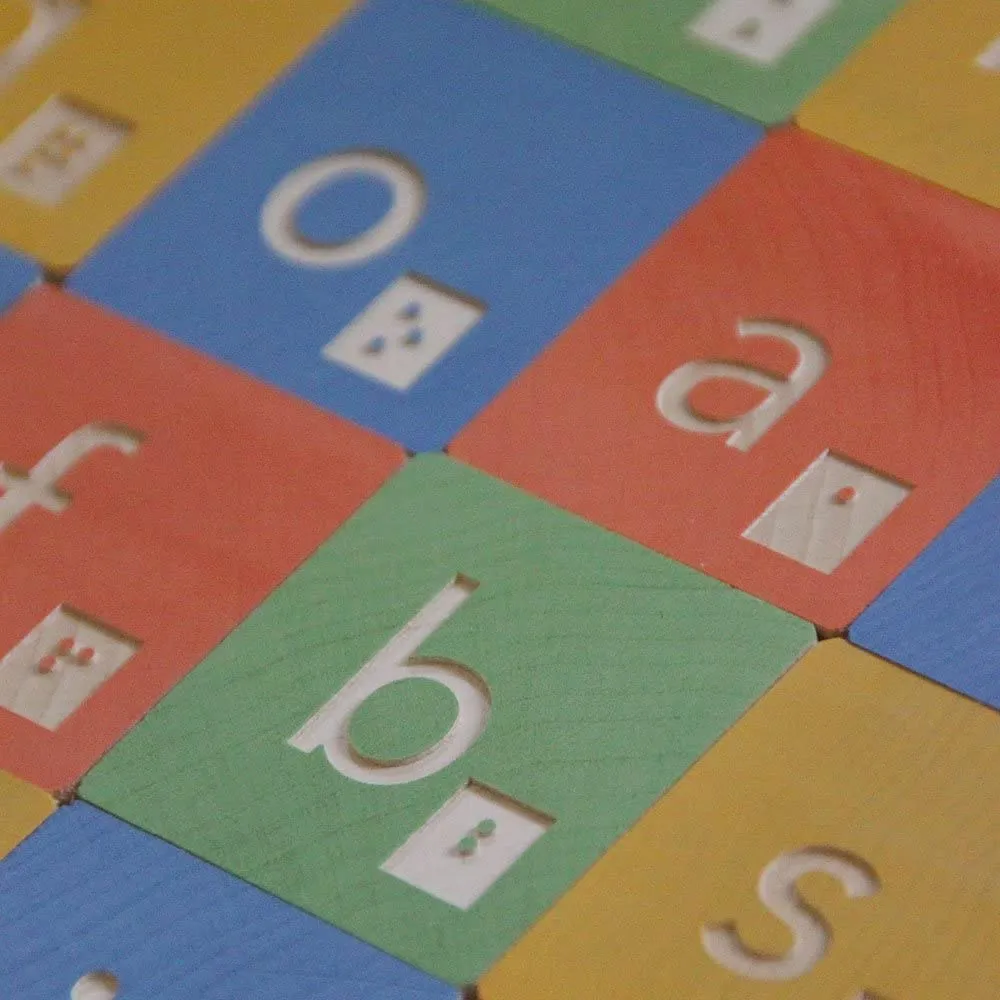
(941, 616)
(88, 894)
(16, 274)
(442, 190)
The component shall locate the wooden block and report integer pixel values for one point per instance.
(22, 808)
(152, 498)
(404, 222)
(555, 680)
(923, 94)
(16, 274)
(837, 844)
(101, 100)
(756, 398)
(96, 910)
(941, 616)
(759, 57)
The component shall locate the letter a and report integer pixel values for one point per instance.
(745, 431)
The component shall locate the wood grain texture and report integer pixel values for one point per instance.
(917, 95)
(174, 72)
(894, 276)
(849, 755)
(231, 486)
(22, 808)
(569, 167)
(88, 893)
(941, 616)
(655, 38)
(610, 670)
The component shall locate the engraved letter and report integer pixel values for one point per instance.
(745, 431)
(49, 20)
(778, 893)
(277, 218)
(37, 487)
(329, 726)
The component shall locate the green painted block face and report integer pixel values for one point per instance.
(560, 679)
(758, 57)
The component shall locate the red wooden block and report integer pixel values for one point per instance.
(794, 390)
(151, 499)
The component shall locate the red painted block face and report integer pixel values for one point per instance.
(794, 390)
(151, 498)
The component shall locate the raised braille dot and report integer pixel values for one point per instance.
(486, 828)
(467, 846)
(845, 495)
(375, 346)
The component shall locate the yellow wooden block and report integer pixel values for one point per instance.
(101, 100)
(923, 94)
(23, 807)
(864, 800)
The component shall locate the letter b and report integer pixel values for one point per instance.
(329, 726)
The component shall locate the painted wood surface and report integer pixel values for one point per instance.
(603, 671)
(414, 212)
(168, 75)
(941, 616)
(90, 901)
(22, 808)
(757, 57)
(152, 498)
(756, 399)
(923, 94)
(837, 843)
(17, 273)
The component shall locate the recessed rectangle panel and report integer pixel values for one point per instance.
(466, 845)
(836, 844)
(446, 715)
(794, 390)
(151, 498)
(414, 212)
(102, 100)
(827, 513)
(758, 57)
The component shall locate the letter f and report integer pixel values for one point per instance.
(37, 487)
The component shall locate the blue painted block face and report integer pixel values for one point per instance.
(941, 616)
(16, 274)
(406, 219)
(94, 909)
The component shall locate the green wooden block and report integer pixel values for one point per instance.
(605, 671)
(758, 57)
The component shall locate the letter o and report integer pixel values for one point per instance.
(277, 217)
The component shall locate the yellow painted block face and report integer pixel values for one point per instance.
(101, 100)
(22, 808)
(923, 94)
(839, 843)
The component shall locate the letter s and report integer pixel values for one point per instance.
(777, 891)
